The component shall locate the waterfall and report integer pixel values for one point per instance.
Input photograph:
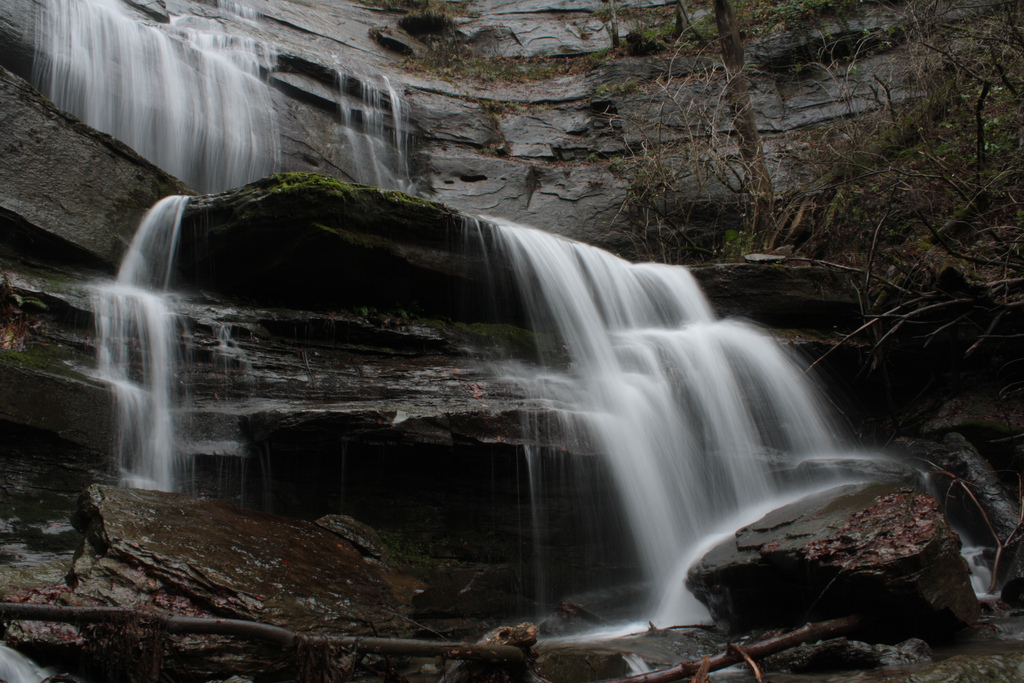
(138, 355)
(191, 101)
(17, 668)
(375, 131)
(686, 409)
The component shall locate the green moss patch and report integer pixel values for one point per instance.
(49, 359)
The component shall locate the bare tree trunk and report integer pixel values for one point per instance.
(683, 22)
(759, 183)
(615, 25)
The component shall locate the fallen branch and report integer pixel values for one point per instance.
(754, 668)
(758, 650)
(267, 633)
(702, 672)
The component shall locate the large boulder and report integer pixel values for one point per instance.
(182, 556)
(152, 548)
(67, 190)
(880, 550)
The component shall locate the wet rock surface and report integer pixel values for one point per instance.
(42, 477)
(552, 139)
(880, 550)
(144, 547)
(973, 669)
(178, 555)
(84, 216)
(842, 653)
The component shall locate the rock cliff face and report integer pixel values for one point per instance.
(541, 149)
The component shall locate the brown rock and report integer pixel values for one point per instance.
(145, 547)
(881, 550)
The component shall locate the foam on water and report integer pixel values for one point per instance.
(17, 668)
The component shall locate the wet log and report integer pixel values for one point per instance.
(757, 650)
(522, 637)
(267, 633)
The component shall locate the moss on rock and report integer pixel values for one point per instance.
(310, 241)
(49, 359)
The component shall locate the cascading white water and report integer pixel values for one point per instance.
(17, 668)
(138, 349)
(685, 408)
(246, 13)
(190, 101)
(375, 130)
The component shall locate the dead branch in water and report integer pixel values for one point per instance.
(758, 650)
(267, 633)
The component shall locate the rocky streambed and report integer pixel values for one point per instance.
(176, 555)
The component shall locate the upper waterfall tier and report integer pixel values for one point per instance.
(191, 101)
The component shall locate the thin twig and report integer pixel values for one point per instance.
(749, 660)
(758, 650)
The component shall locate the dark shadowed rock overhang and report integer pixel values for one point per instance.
(781, 295)
(309, 241)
